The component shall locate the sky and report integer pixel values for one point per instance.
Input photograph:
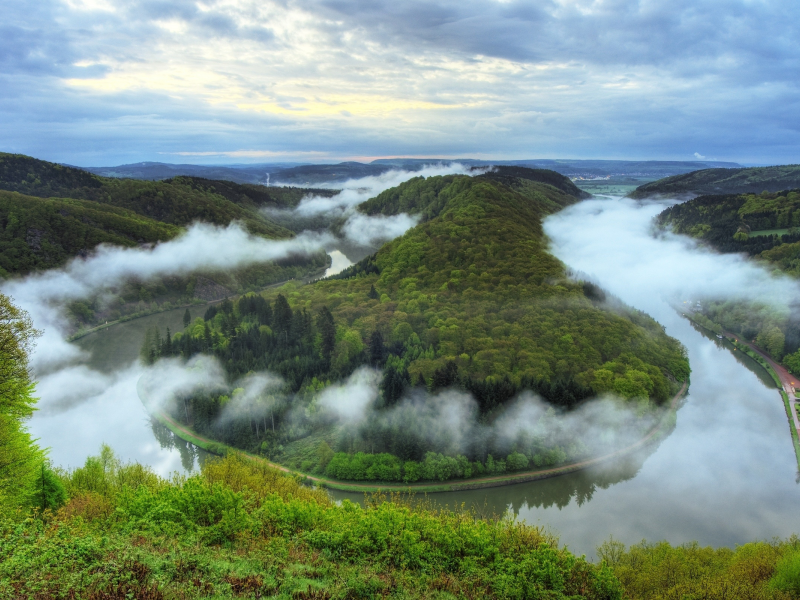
(106, 82)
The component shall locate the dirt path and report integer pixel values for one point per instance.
(451, 485)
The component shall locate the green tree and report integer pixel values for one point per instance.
(187, 318)
(19, 456)
(327, 330)
(48, 492)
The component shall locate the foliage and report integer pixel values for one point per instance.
(38, 233)
(19, 456)
(751, 180)
(239, 529)
(660, 571)
(470, 299)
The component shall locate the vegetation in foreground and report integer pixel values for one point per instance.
(239, 529)
(751, 180)
(109, 530)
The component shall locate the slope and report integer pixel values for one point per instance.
(469, 298)
(42, 233)
(752, 180)
(179, 201)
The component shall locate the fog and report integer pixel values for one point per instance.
(369, 231)
(44, 295)
(613, 240)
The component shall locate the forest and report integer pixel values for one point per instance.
(469, 299)
(733, 223)
(50, 214)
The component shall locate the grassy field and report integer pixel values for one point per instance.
(770, 232)
(612, 187)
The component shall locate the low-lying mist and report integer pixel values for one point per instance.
(644, 267)
(339, 211)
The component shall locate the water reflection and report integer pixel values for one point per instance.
(339, 262)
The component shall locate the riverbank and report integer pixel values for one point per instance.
(666, 422)
(312, 277)
(784, 381)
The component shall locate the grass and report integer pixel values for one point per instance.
(771, 232)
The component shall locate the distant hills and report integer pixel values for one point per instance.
(752, 180)
(310, 174)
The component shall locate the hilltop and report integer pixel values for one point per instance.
(752, 180)
(469, 298)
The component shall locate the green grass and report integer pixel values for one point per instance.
(771, 232)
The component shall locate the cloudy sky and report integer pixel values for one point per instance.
(104, 82)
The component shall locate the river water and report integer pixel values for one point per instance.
(726, 475)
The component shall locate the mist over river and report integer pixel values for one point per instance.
(726, 475)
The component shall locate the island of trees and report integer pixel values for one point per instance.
(469, 299)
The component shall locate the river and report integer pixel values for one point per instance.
(726, 475)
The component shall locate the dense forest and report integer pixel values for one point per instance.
(751, 180)
(766, 227)
(178, 201)
(51, 214)
(469, 299)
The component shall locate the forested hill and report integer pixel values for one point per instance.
(766, 226)
(518, 178)
(752, 180)
(43, 233)
(471, 297)
(178, 201)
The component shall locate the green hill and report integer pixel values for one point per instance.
(50, 213)
(469, 298)
(179, 201)
(753, 180)
(43, 233)
(765, 227)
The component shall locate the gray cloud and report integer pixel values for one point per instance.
(619, 79)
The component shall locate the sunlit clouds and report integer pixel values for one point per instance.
(107, 81)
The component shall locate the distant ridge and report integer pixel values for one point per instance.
(752, 180)
(298, 174)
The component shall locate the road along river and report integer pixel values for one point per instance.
(726, 475)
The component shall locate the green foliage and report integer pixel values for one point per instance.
(19, 455)
(241, 529)
(661, 571)
(787, 574)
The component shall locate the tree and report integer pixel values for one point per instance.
(373, 293)
(19, 456)
(327, 331)
(187, 318)
(377, 350)
(48, 492)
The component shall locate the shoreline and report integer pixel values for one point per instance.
(187, 434)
